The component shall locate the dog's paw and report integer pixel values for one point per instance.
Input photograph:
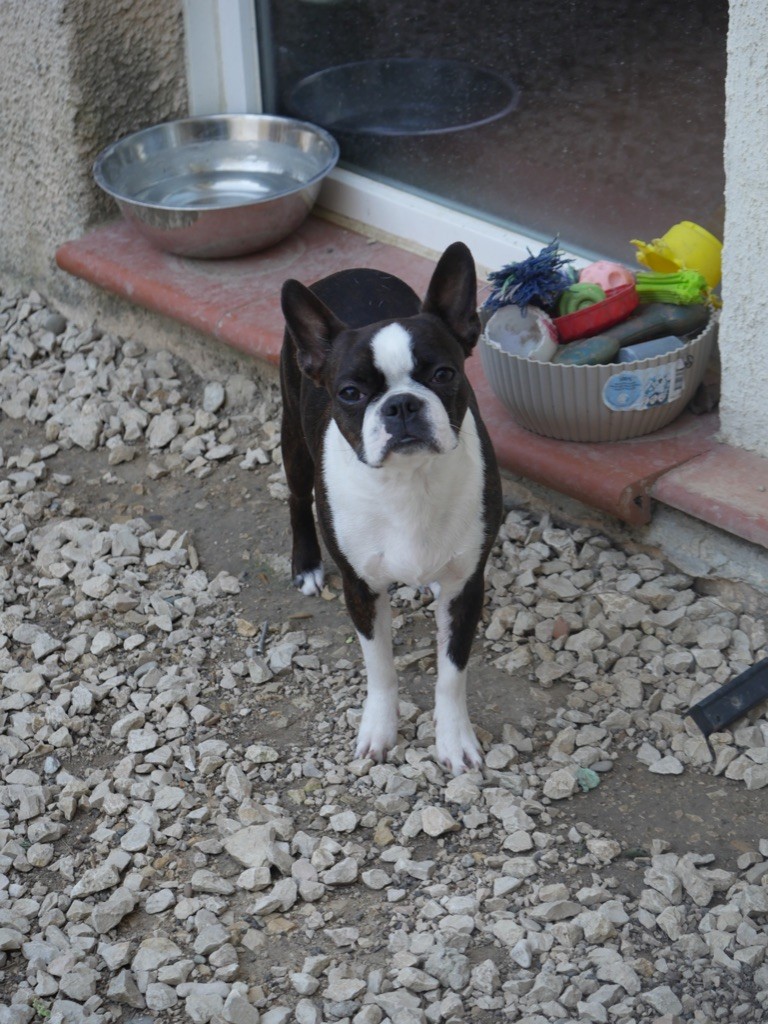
(377, 734)
(310, 582)
(456, 745)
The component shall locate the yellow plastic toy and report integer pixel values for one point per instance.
(686, 246)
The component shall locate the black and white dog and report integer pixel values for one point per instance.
(380, 422)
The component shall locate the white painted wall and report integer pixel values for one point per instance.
(744, 324)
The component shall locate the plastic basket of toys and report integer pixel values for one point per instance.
(603, 355)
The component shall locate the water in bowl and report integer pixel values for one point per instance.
(216, 190)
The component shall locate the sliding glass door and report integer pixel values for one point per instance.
(595, 121)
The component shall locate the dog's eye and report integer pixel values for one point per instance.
(350, 394)
(443, 375)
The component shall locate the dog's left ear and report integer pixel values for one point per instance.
(452, 295)
(312, 325)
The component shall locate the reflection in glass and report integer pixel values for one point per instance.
(614, 129)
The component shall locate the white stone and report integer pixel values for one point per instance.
(123, 989)
(261, 753)
(668, 765)
(630, 691)
(606, 850)
(137, 838)
(162, 429)
(160, 901)
(10, 938)
(168, 798)
(154, 952)
(98, 587)
(554, 910)
(105, 640)
(40, 855)
(698, 887)
(436, 821)
(304, 984)
(219, 452)
(20, 681)
(415, 980)
(238, 784)
(85, 431)
(160, 997)
(486, 977)
(226, 583)
(451, 968)
(663, 1000)
(596, 927)
(307, 1013)
(108, 915)
(375, 878)
(281, 655)
(339, 990)
(238, 1010)
(205, 880)
(282, 897)
(256, 846)
(141, 740)
(647, 754)
(756, 776)
(561, 784)
(202, 1004)
(276, 1015)
(214, 396)
(80, 983)
(616, 971)
(343, 873)
(508, 932)
(43, 645)
(126, 724)
(104, 876)
(344, 821)
(210, 938)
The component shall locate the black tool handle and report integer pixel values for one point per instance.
(732, 700)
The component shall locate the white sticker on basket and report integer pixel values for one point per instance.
(634, 390)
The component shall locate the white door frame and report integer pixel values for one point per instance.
(222, 57)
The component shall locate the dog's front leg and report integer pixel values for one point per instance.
(457, 617)
(372, 616)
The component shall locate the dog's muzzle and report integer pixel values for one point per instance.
(405, 419)
(403, 414)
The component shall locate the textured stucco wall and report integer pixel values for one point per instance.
(744, 325)
(74, 75)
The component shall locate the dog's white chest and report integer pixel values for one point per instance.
(416, 520)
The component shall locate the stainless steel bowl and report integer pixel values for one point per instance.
(220, 185)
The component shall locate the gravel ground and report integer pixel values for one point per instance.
(184, 835)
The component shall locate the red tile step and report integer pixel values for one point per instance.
(727, 487)
(237, 302)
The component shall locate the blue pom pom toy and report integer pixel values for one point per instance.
(538, 280)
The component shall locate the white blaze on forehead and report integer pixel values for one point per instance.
(393, 353)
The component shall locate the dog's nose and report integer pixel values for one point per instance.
(401, 409)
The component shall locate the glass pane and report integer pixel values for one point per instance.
(597, 121)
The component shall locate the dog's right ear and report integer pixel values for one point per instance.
(312, 326)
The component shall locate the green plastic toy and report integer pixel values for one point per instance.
(579, 296)
(683, 288)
